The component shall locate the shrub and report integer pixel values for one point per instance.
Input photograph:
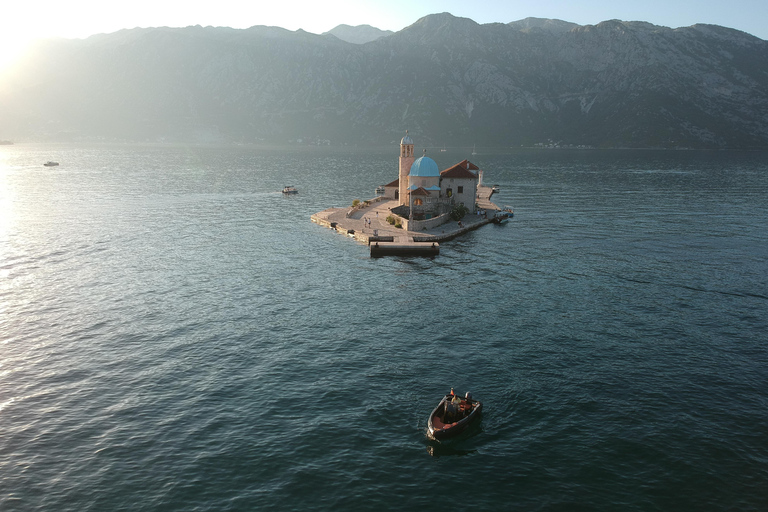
(391, 219)
(355, 203)
(458, 212)
(398, 225)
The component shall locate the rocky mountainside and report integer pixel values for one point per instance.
(359, 34)
(448, 80)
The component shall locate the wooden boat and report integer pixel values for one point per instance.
(290, 190)
(442, 427)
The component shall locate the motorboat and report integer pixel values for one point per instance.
(503, 215)
(290, 190)
(51, 164)
(443, 423)
(380, 190)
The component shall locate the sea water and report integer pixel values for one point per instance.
(175, 334)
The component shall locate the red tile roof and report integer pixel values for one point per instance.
(419, 192)
(395, 183)
(461, 170)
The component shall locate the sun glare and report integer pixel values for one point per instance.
(12, 47)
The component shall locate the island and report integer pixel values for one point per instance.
(421, 208)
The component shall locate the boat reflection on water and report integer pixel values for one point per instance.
(440, 450)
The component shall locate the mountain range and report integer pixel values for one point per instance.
(448, 80)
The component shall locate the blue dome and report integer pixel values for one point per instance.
(425, 167)
(407, 139)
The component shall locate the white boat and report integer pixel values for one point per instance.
(290, 190)
(380, 190)
(473, 150)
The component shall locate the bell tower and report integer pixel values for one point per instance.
(406, 161)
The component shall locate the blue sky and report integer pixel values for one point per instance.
(24, 20)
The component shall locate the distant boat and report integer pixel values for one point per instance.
(503, 215)
(380, 190)
(495, 188)
(473, 150)
(443, 150)
(49, 163)
(290, 190)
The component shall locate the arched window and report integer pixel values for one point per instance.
(417, 202)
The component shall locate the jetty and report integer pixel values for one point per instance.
(367, 223)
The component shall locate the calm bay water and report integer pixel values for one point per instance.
(177, 335)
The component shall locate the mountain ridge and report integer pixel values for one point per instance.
(448, 80)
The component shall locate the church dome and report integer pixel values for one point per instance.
(407, 139)
(425, 167)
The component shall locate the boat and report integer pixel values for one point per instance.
(290, 190)
(442, 427)
(474, 152)
(443, 150)
(380, 190)
(503, 215)
(495, 189)
(51, 164)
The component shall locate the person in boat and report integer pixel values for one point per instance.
(456, 401)
(452, 409)
(467, 404)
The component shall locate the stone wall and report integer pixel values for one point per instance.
(421, 225)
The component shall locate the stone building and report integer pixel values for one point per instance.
(424, 193)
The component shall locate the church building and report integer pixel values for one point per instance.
(424, 192)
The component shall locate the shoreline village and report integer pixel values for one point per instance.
(421, 208)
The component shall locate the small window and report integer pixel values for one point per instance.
(459, 190)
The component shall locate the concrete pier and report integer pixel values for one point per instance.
(368, 224)
(378, 249)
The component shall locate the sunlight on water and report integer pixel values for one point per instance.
(6, 197)
(177, 335)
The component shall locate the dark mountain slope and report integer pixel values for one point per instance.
(449, 80)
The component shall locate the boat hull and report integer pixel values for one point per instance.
(440, 430)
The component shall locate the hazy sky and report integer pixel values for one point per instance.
(24, 20)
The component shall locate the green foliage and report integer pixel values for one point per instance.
(398, 225)
(458, 212)
(355, 203)
(391, 219)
